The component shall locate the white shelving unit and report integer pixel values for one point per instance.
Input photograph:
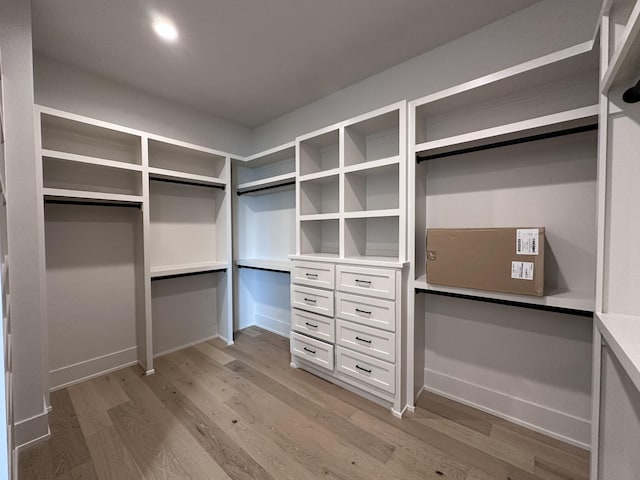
(515, 148)
(264, 236)
(127, 284)
(616, 358)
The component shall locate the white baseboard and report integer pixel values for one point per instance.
(33, 429)
(273, 325)
(559, 425)
(91, 368)
(187, 345)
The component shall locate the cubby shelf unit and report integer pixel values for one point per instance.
(181, 230)
(351, 190)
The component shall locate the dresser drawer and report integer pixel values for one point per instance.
(370, 341)
(365, 369)
(317, 326)
(311, 350)
(312, 299)
(366, 281)
(367, 311)
(313, 274)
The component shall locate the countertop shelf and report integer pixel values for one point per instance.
(622, 334)
(265, 264)
(182, 177)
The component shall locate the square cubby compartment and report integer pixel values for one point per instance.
(372, 189)
(372, 139)
(320, 237)
(319, 153)
(320, 195)
(372, 237)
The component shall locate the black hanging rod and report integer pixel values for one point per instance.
(532, 306)
(506, 143)
(293, 182)
(105, 203)
(251, 267)
(185, 182)
(188, 274)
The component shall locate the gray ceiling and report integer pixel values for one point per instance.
(250, 61)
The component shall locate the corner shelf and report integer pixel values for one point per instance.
(625, 61)
(258, 187)
(95, 197)
(622, 334)
(186, 178)
(578, 301)
(265, 264)
(192, 268)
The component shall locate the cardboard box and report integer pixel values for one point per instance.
(509, 260)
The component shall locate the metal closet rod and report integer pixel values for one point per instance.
(506, 143)
(185, 182)
(260, 189)
(532, 306)
(106, 203)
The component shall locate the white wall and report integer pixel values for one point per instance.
(543, 28)
(25, 226)
(65, 87)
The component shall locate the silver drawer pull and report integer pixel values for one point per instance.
(310, 351)
(365, 312)
(310, 325)
(363, 369)
(363, 282)
(310, 300)
(311, 275)
(363, 340)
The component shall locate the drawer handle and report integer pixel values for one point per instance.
(363, 282)
(363, 340)
(311, 325)
(365, 312)
(311, 275)
(310, 300)
(310, 351)
(363, 369)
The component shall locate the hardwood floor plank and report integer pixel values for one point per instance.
(109, 390)
(549, 471)
(212, 438)
(90, 408)
(85, 471)
(68, 447)
(433, 403)
(215, 354)
(36, 463)
(111, 459)
(274, 459)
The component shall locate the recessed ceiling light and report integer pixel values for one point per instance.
(165, 29)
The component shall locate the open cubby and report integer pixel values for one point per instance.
(187, 225)
(372, 139)
(320, 195)
(319, 153)
(66, 175)
(372, 189)
(69, 136)
(168, 156)
(372, 237)
(320, 237)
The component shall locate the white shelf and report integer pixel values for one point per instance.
(248, 188)
(85, 159)
(536, 126)
(573, 300)
(323, 257)
(168, 270)
(204, 180)
(622, 334)
(318, 175)
(265, 264)
(79, 195)
(625, 61)
(319, 216)
(392, 212)
(372, 164)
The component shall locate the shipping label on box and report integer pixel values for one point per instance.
(509, 260)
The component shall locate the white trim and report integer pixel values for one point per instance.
(273, 325)
(559, 425)
(94, 367)
(186, 345)
(32, 430)
(34, 441)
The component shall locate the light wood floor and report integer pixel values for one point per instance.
(240, 412)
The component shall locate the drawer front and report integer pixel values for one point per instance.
(317, 326)
(313, 351)
(312, 299)
(374, 372)
(313, 274)
(370, 312)
(366, 281)
(369, 341)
